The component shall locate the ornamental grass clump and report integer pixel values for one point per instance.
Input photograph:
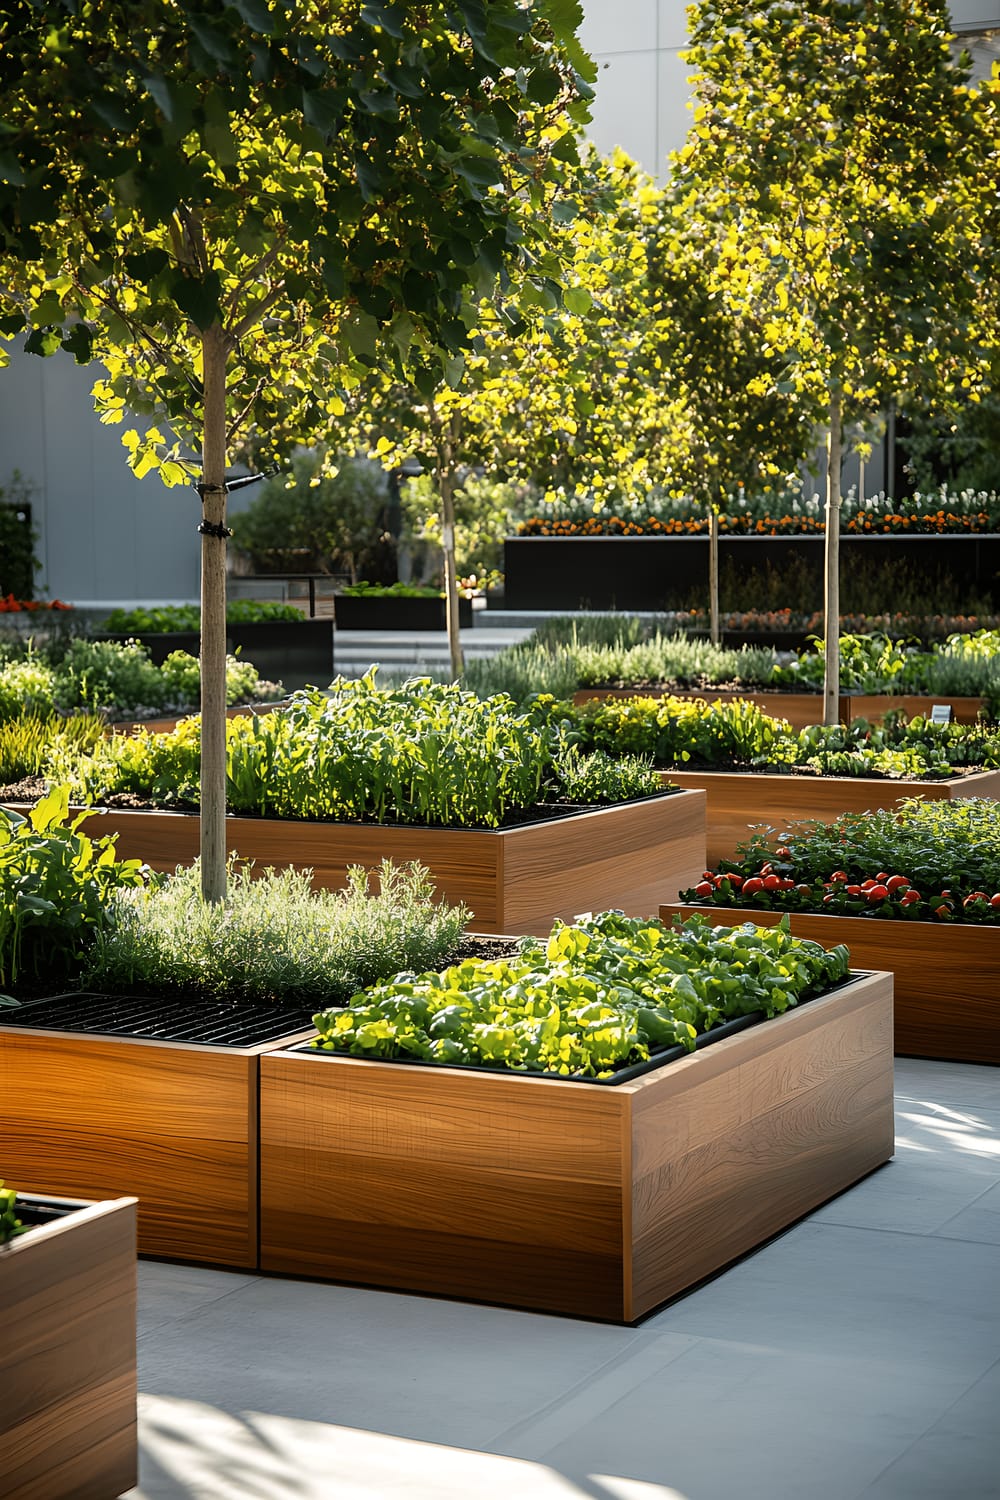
(29, 743)
(276, 939)
(603, 993)
(924, 861)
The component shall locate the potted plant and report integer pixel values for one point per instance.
(68, 1359)
(915, 891)
(395, 606)
(454, 1133)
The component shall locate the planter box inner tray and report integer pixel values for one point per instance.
(148, 1099)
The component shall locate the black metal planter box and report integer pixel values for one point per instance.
(295, 652)
(386, 612)
(625, 573)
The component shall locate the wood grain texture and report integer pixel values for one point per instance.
(492, 1188)
(570, 1197)
(727, 1155)
(739, 799)
(67, 1357)
(803, 709)
(513, 879)
(172, 1125)
(947, 976)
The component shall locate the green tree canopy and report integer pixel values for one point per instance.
(843, 158)
(237, 208)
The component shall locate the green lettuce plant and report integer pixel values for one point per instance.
(10, 1224)
(599, 994)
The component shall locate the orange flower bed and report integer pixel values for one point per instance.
(11, 606)
(935, 523)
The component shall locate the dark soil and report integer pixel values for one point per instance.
(31, 789)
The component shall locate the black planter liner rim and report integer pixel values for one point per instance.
(567, 810)
(257, 1030)
(659, 1057)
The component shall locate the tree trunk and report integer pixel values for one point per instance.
(213, 618)
(831, 595)
(446, 483)
(713, 575)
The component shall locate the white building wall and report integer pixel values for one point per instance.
(106, 536)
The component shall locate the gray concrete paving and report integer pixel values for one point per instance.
(856, 1355)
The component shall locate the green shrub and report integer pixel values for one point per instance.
(54, 888)
(104, 674)
(181, 617)
(17, 539)
(522, 672)
(279, 940)
(27, 686)
(328, 512)
(600, 778)
(679, 732)
(390, 591)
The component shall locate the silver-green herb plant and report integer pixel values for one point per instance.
(276, 939)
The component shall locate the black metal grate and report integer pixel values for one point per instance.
(203, 1023)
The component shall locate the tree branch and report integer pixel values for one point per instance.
(256, 313)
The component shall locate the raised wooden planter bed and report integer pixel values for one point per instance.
(520, 879)
(67, 1356)
(387, 612)
(947, 991)
(739, 799)
(803, 709)
(572, 1197)
(173, 1124)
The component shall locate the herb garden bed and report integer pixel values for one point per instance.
(947, 976)
(171, 1121)
(67, 1361)
(803, 709)
(738, 799)
(555, 1195)
(519, 879)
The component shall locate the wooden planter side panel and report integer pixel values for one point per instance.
(560, 870)
(518, 880)
(876, 706)
(489, 1188)
(738, 799)
(174, 1126)
(947, 977)
(67, 1358)
(464, 869)
(727, 1152)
